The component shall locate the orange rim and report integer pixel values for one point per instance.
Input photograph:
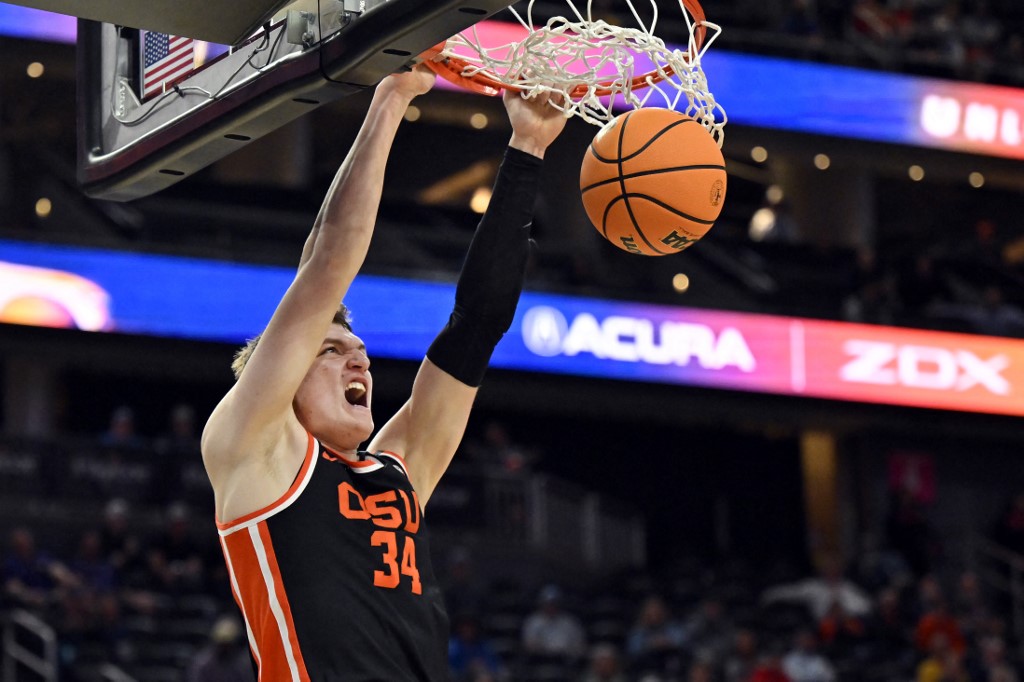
(486, 82)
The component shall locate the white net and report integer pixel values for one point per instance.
(598, 66)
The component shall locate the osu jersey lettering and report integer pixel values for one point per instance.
(334, 579)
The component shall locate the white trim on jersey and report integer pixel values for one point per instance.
(368, 468)
(394, 458)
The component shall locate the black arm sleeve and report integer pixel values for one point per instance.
(492, 275)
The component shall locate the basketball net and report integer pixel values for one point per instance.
(593, 64)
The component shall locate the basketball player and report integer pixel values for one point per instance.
(325, 544)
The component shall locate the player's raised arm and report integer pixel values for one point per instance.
(256, 419)
(428, 428)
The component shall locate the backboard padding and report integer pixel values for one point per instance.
(187, 133)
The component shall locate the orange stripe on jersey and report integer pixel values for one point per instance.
(354, 463)
(300, 480)
(253, 599)
(264, 605)
(253, 645)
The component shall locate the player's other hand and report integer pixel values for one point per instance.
(411, 83)
(535, 123)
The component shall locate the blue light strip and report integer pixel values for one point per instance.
(806, 97)
(24, 22)
(218, 301)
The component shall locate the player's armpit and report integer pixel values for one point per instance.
(245, 479)
(230, 437)
(427, 430)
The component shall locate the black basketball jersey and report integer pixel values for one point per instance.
(334, 579)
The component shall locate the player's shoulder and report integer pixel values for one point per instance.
(230, 439)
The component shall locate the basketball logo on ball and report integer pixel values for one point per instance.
(653, 181)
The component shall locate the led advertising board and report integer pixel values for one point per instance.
(105, 291)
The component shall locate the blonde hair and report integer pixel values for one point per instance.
(342, 317)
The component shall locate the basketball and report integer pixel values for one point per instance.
(653, 181)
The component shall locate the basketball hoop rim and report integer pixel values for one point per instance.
(482, 81)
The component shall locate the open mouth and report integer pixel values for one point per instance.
(355, 394)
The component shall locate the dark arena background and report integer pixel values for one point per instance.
(823, 480)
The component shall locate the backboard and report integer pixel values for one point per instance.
(217, 22)
(307, 54)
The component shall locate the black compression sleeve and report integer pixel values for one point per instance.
(492, 274)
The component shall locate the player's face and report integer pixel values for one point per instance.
(333, 401)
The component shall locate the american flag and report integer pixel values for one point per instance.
(165, 59)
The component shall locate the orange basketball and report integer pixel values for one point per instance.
(653, 181)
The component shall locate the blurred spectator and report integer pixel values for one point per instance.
(223, 659)
(769, 669)
(551, 631)
(929, 594)
(996, 316)
(866, 300)
(878, 567)
(866, 268)
(992, 315)
(1009, 527)
(981, 32)
(123, 550)
(701, 670)
(872, 21)
(994, 664)
(709, 629)
(774, 222)
(92, 605)
(656, 639)
(498, 453)
(804, 663)
(470, 655)
(174, 557)
(842, 632)
(121, 430)
(181, 437)
(986, 246)
(920, 287)
(942, 37)
(1010, 61)
(181, 472)
(970, 606)
(874, 302)
(935, 622)
(888, 630)
(822, 592)
(122, 547)
(877, 30)
(605, 665)
(32, 578)
(742, 660)
(908, 532)
(464, 592)
(943, 663)
(995, 627)
(800, 19)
